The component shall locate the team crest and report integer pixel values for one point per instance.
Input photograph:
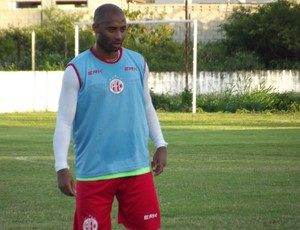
(116, 86)
(90, 224)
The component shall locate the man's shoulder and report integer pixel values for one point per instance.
(131, 53)
(125, 50)
(81, 57)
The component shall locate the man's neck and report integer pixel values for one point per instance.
(107, 56)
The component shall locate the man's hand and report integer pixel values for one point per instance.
(159, 160)
(66, 183)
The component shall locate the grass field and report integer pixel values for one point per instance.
(225, 171)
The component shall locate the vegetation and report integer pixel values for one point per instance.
(257, 100)
(225, 171)
(217, 56)
(55, 39)
(254, 39)
(14, 49)
(271, 32)
(236, 98)
(54, 43)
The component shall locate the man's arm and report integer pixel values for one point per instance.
(160, 155)
(62, 134)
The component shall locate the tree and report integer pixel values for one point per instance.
(272, 31)
(55, 38)
(155, 43)
(14, 51)
(55, 42)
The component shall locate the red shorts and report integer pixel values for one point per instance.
(137, 198)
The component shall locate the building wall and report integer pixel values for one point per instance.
(19, 18)
(209, 16)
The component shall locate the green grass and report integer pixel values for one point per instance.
(225, 171)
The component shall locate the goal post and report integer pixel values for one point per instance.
(195, 43)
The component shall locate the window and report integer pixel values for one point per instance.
(28, 4)
(74, 3)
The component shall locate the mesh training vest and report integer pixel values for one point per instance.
(110, 130)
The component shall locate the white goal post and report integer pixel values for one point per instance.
(195, 42)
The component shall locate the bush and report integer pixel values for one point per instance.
(173, 103)
(287, 102)
(255, 101)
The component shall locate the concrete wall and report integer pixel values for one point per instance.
(29, 91)
(212, 82)
(39, 91)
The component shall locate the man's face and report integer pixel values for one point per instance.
(110, 32)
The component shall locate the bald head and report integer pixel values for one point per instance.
(105, 10)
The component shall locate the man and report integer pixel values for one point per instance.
(105, 101)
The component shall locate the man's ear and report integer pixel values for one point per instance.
(95, 27)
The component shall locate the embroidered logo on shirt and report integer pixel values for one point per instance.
(116, 86)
